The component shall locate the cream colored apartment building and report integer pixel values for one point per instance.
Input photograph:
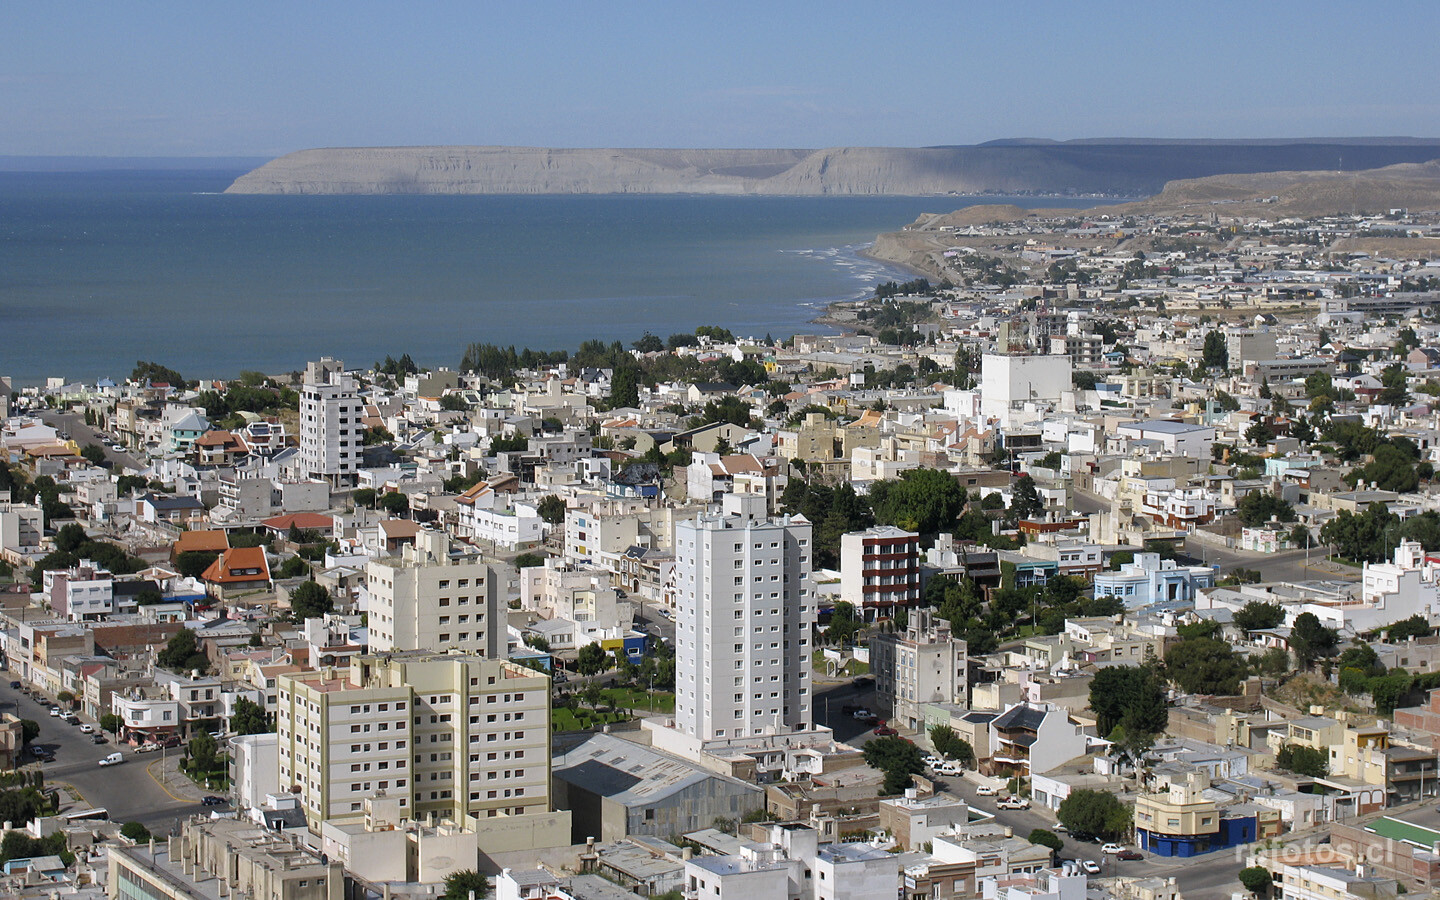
(452, 734)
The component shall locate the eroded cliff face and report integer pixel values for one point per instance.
(1115, 168)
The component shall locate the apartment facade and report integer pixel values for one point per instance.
(331, 430)
(880, 569)
(451, 734)
(924, 664)
(744, 613)
(431, 597)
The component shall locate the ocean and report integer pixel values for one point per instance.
(101, 269)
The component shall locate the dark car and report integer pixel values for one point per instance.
(97, 738)
(212, 800)
(849, 709)
(15, 685)
(42, 754)
(1129, 854)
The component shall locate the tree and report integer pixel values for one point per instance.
(1097, 813)
(182, 653)
(950, 745)
(310, 601)
(592, 659)
(923, 500)
(552, 509)
(364, 497)
(1393, 391)
(529, 561)
(204, 752)
(1205, 666)
(1131, 697)
(1226, 402)
(1312, 640)
(1258, 507)
(1415, 626)
(293, 567)
(1025, 502)
(453, 403)
(395, 503)
(193, 563)
(249, 718)
(65, 698)
(149, 597)
(1258, 616)
(1390, 469)
(94, 453)
(1215, 353)
(111, 723)
(843, 624)
(1259, 434)
(1256, 880)
(135, 831)
(29, 731)
(1043, 838)
(897, 758)
(1302, 760)
(624, 387)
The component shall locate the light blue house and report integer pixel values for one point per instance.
(1150, 579)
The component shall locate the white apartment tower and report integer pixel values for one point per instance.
(331, 433)
(435, 597)
(744, 614)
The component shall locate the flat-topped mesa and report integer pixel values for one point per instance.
(1123, 168)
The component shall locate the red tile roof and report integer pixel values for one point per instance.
(238, 565)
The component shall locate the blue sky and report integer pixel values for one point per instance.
(262, 78)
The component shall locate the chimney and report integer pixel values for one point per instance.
(687, 853)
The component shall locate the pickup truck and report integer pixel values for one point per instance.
(1014, 803)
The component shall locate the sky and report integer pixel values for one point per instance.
(261, 78)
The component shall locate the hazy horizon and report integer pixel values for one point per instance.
(186, 81)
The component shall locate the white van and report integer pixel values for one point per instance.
(113, 759)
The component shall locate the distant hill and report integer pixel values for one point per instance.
(1414, 186)
(1117, 167)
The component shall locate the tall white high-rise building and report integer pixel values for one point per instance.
(745, 609)
(331, 432)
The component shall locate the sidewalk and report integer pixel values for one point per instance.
(166, 773)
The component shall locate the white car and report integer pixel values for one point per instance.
(950, 767)
(55, 711)
(863, 713)
(87, 728)
(933, 761)
(113, 759)
(1112, 848)
(147, 747)
(1089, 867)
(1014, 803)
(986, 790)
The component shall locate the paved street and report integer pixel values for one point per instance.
(131, 792)
(82, 434)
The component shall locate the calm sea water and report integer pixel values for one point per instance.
(98, 270)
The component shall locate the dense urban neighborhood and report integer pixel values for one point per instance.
(1102, 562)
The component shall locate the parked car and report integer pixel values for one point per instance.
(147, 747)
(15, 685)
(883, 730)
(97, 739)
(55, 712)
(87, 728)
(933, 761)
(113, 759)
(42, 754)
(71, 719)
(170, 742)
(863, 713)
(1060, 828)
(560, 677)
(850, 709)
(212, 800)
(949, 767)
(986, 790)
(1129, 854)
(1112, 848)
(1089, 867)
(1014, 803)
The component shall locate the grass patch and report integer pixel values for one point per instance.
(635, 698)
(580, 719)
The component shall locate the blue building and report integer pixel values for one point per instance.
(1150, 579)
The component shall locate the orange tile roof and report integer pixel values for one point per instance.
(300, 520)
(203, 541)
(238, 565)
(399, 528)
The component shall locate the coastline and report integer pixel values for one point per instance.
(840, 314)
